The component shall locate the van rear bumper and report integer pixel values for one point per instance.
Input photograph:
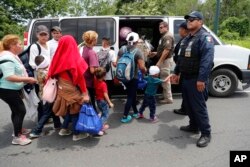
(246, 78)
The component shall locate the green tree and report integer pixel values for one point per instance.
(15, 13)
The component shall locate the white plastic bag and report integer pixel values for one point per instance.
(31, 103)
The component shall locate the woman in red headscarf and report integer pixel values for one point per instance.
(68, 67)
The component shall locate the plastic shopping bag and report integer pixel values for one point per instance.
(88, 121)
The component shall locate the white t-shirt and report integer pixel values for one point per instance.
(112, 59)
(52, 46)
(34, 52)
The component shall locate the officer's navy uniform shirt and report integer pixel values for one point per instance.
(203, 48)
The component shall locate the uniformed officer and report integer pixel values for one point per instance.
(195, 62)
(165, 60)
(183, 32)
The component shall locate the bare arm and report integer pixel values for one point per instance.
(114, 63)
(92, 70)
(106, 96)
(15, 78)
(141, 65)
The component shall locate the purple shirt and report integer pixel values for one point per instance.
(91, 59)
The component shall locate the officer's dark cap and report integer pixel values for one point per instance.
(194, 14)
(183, 25)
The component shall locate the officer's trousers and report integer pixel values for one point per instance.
(195, 105)
(165, 72)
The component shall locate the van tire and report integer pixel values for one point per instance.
(222, 83)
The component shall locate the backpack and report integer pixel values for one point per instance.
(1, 62)
(126, 66)
(25, 57)
(103, 58)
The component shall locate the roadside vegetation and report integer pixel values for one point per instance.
(234, 18)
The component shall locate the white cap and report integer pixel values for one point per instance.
(132, 38)
(154, 70)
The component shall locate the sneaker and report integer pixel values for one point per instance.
(154, 120)
(99, 134)
(34, 135)
(166, 101)
(80, 136)
(50, 120)
(140, 116)
(21, 140)
(105, 127)
(126, 119)
(135, 115)
(65, 132)
(24, 131)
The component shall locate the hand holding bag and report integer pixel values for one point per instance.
(50, 90)
(88, 121)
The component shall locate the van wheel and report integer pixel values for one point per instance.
(222, 83)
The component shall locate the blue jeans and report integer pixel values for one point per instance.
(149, 101)
(104, 108)
(71, 118)
(195, 105)
(44, 116)
(131, 88)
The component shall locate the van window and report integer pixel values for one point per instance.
(146, 28)
(49, 23)
(177, 23)
(105, 27)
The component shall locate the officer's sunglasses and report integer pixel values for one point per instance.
(191, 19)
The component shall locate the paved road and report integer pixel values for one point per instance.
(139, 143)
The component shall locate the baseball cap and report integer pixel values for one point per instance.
(56, 28)
(132, 37)
(42, 29)
(194, 14)
(183, 25)
(154, 70)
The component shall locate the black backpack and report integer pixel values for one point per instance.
(1, 62)
(25, 57)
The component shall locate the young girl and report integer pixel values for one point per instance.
(102, 98)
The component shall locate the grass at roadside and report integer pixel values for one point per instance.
(243, 42)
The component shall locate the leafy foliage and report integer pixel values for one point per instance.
(14, 14)
(234, 24)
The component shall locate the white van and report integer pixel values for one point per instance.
(231, 63)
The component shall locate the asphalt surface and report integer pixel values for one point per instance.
(139, 143)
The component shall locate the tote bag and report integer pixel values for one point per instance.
(50, 90)
(88, 121)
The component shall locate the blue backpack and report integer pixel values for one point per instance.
(126, 66)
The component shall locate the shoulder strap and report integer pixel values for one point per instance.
(4, 61)
(124, 49)
(39, 48)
